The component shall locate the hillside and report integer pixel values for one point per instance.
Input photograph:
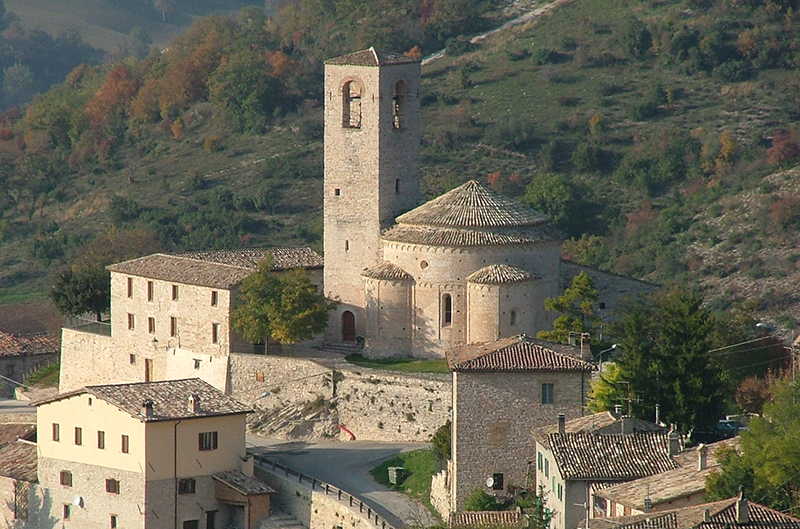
(655, 133)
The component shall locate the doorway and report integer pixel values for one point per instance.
(348, 327)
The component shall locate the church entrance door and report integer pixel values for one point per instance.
(348, 327)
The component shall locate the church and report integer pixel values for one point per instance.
(469, 266)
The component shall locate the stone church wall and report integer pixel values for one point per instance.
(373, 404)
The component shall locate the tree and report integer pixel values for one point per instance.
(665, 359)
(539, 516)
(81, 290)
(288, 308)
(606, 390)
(767, 468)
(442, 441)
(575, 309)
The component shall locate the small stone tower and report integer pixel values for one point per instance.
(372, 135)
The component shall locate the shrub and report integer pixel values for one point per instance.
(441, 441)
(478, 500)
(211, 143)
(785, 212)
(784, 148)
(514, 132)
(123, 209)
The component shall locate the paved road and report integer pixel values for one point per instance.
(346, 465)
(16, 406)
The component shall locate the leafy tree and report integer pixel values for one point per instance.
(564, 201)
(606, 390)
(251, 318)
(767, 468)
(539, 516)
(82, 289)
(442, 441)
(575, 309)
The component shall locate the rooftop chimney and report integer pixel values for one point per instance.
(562, 423)
(617, 409)
(742, 509)
(658, 414)
(702, 457)
(706, 515)
(194, 403)
(674, 441)
(147, 408)
(648, 504)
(627, 425)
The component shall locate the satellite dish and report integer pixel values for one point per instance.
(490, 482)
(77, 501)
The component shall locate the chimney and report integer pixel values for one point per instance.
(658, 414)
(627, 425)
(648, 504)
(194, 403)
(147, 408)
(702, 457)
(246, 465)
(562, 423)
(706, 515)
(617, 409)
(742, 509)
(674, 441)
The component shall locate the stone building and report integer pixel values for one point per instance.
(501, 391)
(170, 318)
(20, 354)
(22, 497)
(575, 458)
(469, 266)
(149, 455)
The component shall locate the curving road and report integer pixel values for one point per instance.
(347, 465)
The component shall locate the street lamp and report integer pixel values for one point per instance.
(600, 354)
(769, 328)
(265, 394)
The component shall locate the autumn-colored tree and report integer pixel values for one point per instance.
(784, 148)
(113, 98)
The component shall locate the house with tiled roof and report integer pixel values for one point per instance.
(680, 487)
(487, 520)
(21, 353)
(18, 481)
(726, 514)
(146, 455)
(576, 458)
(170, 317)
(501, 390)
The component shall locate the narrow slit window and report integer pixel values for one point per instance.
(149, 291)
(214, 298)
(174, 292)
(130, 287)
(447, 309)
(513, 317)
(173, 326)
(215, 333)
(131, 321)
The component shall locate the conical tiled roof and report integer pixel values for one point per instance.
(473, 205)
(387, 271)
(371, 57)
(499, 273)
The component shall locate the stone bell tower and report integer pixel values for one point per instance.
(372, 134)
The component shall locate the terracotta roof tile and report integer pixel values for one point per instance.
(372, 57)
(386, 271)
(662, 488)
(19, 460)
(499, 273)
(485, 519)
(170, 399)
(452, 237)
(473, 205)
(247, 485)
(603, 423)
(591, 456)
(515, 354)
(758, 516)
(27, 345)
(223, 269)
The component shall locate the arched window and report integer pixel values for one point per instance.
(399, 104)
(447, 310)
(513, 317)
(351, 105)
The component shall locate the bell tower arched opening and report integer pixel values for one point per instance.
(351, 104)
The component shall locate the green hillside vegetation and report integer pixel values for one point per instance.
(652, 132)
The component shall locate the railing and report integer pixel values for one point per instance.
(341, 495)
(80, 323)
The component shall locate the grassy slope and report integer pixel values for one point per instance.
(106, 23)
(421, 465)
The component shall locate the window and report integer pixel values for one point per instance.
(130, 287)
(133, 358)
(112, 486)
(186, 486)
(191, 524)
(399, 104)
(56, 431)
(65, 478)
(101, 439)
(351, 105)
(560, 492)
(90, 401)
(173, 326)
(66, 513)
(497, 482)
(207, 440)
(126, 444)
(197, 363)
(131, 321)
(513, 317)
(547, 468)
(397, 186)
(346, 246)
(78, 435)
(214, 298)
(113, 520)
(539, 464)
(337, 192)
(174, 292)
(211, 519)
(149, 291)
(547, 393)
(151, 325)
(447, 310)
(215, 333)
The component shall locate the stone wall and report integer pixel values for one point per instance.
(373, 404)
(441, 499)
(87, 358)
(314, 508)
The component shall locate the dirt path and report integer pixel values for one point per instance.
(522, 19)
